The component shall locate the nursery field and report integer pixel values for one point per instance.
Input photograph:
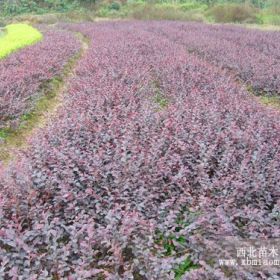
(159, 148)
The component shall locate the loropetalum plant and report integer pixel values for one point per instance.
(251, 55)
(115, 172)
(24, 74)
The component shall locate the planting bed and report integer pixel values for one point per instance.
(156, 155)
(24, 75)
(251, 55)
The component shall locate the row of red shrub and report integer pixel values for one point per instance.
(24, 73)
(252, 55)
(118, 167)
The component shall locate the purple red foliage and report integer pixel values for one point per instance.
(114, 167)
(251, 55)
(23, 74)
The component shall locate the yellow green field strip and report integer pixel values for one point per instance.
(16, 37)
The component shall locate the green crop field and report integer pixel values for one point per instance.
(16, 36)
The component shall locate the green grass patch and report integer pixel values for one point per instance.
(273, 101)
(4, 133)
(270, 19)
(183, 267)
(18, 36)
(168, 243)
(176, 244)
(161, 100)
(159, 96)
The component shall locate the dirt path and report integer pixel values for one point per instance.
(44, 110)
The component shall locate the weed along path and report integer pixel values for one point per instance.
(45, 106)
(145, 157)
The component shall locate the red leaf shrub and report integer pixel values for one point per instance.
(115, 167)
(253, 55)
(24, 73)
